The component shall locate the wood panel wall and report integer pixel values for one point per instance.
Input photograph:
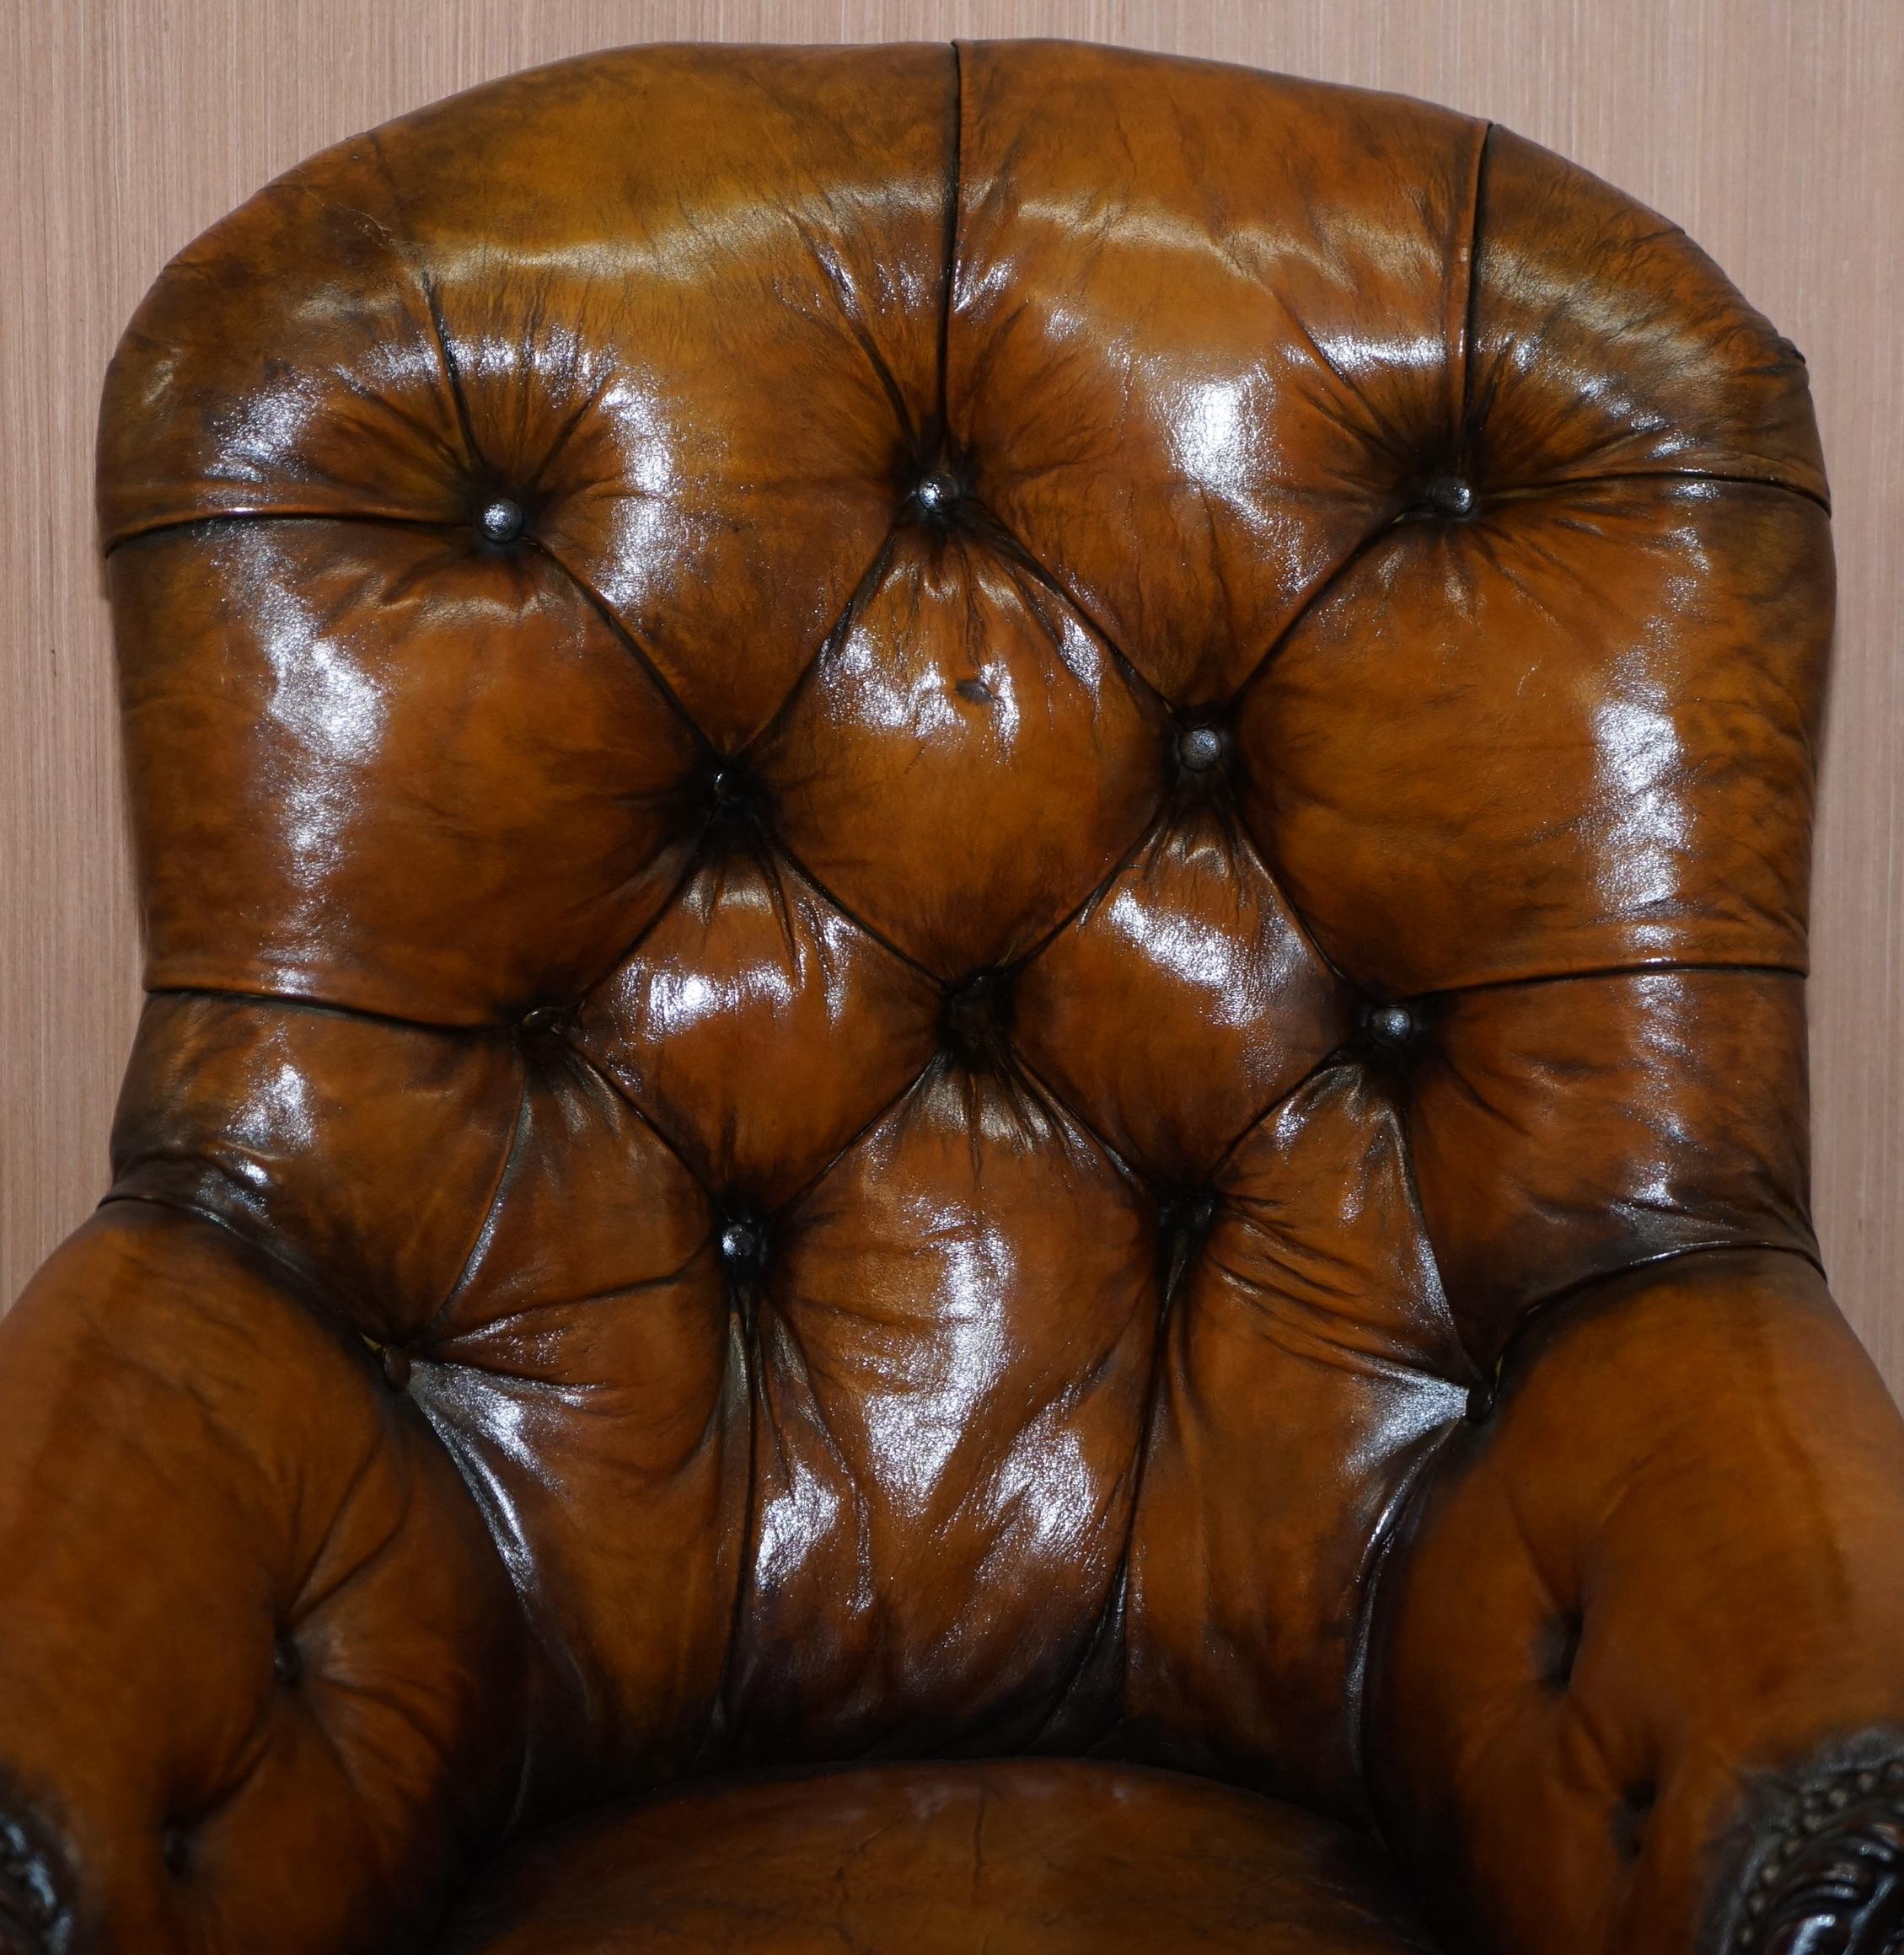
(1772, 129)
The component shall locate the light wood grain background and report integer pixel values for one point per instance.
(1772, 129)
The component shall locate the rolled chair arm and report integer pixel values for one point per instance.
(258, 1659)
(1637, 1683)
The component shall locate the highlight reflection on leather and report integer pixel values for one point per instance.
(954, 861)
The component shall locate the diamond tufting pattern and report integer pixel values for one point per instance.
(939, 833)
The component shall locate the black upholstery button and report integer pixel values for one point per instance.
(396, 1367)
(743, 1243)
(502, 520)
(287, 1661)
(936, 495)
(1481, 1403)
(1450, 495)
(541, 1018)
(1199, 748)
(1391, 1026)
(731, 786)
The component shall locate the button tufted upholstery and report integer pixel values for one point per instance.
(976, 892)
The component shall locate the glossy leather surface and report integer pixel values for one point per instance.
(942, 825)
(1016, 1856)
(254, 1623)
(1672, 1555)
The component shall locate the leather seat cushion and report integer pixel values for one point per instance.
(1009, 1856)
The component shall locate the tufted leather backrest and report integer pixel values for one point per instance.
(939, 819)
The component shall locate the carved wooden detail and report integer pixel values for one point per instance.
(33, 1919)
(1831, 1880)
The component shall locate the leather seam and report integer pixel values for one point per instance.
(1462, 323)
(1558, 486)
(406, 256)
(300, 1286)
(296, 1001)
(1606, 973)
(1538, 1309)
(990, 527)
(835, 635)
(1550, 486)
(885, 1113)
(955, 213)
(626, 639)
(606, 1073)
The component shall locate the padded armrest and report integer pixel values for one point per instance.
(259, 1658)
(1639, 1680)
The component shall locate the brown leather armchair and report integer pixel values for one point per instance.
(973, 1110)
